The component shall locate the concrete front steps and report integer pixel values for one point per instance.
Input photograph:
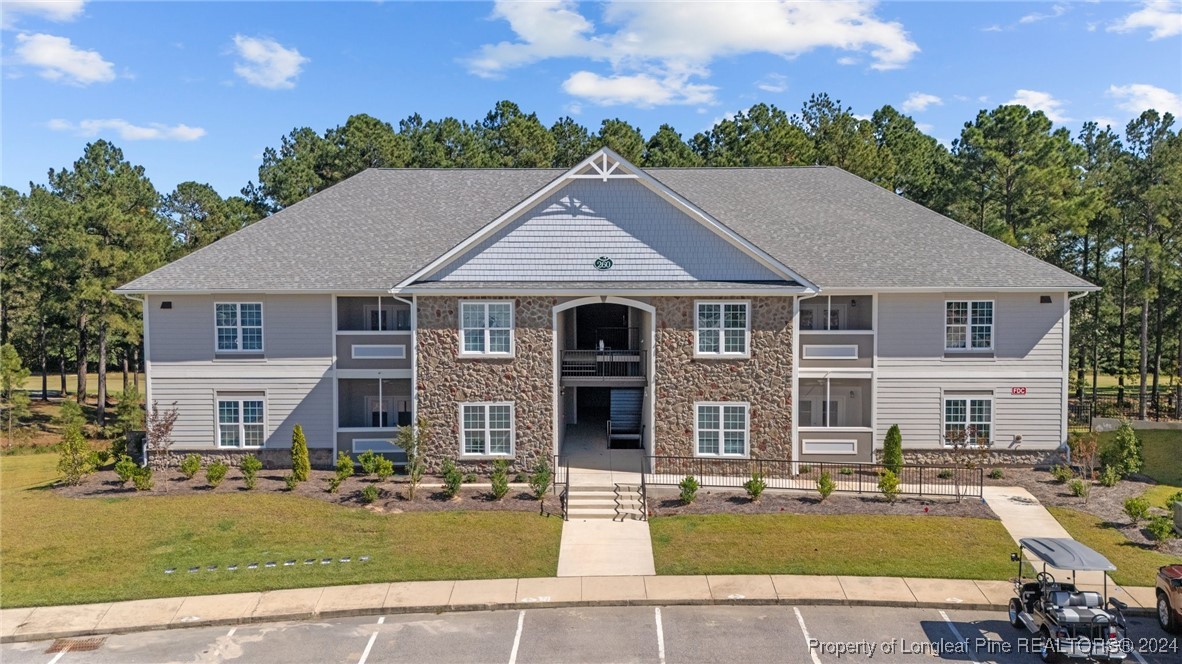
(616, 502)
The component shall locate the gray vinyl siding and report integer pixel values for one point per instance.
(646, 237)
(296, 328)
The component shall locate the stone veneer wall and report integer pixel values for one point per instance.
(445, 380)
(272, 458)
(994, 457)
(764, 380)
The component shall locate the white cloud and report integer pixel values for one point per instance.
(773, 83)
(52, 10)
(59, 60)
(1104, 121)
(1041, 101)
(1138, 97)
(674, 43)
(267, 63)
(1162, 17)
(924, 127)
(128, 131)
(848, 60)
(992, 28)
(641, 90)
(919, 102)
(1056, 12)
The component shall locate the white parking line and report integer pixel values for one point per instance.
(660, 638)
(807, 639)
(956, 633)
(517, 637)
(231, 632)
(61, 653)
(368, 646)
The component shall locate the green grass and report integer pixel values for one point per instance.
(114, 382)
(856, 545)
(58, 550)
(1135, 565)
(1158, 495)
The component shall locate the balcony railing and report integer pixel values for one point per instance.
(604, 364)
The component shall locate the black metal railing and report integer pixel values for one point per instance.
(561, 483)
(643, 482)
(732, 473)
(604, 363)
(1163, 407)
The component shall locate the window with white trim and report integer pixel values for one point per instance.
(486, 429)
(721, 429)
(486, 328)
(239, 326)
(968, 419)
(240, 422)
(968, 325)
(722, 328)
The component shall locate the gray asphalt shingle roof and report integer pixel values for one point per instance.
(379, 227)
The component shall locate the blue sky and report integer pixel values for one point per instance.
(196, 90)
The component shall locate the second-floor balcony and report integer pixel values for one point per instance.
(592, 367)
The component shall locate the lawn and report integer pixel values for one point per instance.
(1135, 566)
(856, 545)
(58, 550)
(114, 383)
(1163, 454)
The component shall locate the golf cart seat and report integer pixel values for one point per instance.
(1085, 600)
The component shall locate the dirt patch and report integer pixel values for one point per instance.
(391, 493)
(664, 503)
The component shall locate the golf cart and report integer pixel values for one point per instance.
(1069, 622)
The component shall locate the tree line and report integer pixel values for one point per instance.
(1104, 204)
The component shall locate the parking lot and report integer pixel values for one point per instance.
(610, 634)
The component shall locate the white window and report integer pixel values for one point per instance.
(968, 325)
(486, 429)
(240, 422)
(722, 328)
(721, 429)
(486, 328)
(239, 326)
(968, 419)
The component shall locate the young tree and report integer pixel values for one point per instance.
(301, 464)
(892, 450)
(75, 459)
(415, 442)
(12, 388)
(158, 429)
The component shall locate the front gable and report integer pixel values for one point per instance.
(606, 221)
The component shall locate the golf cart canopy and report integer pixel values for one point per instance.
(1063, 553)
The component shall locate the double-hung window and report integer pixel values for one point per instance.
(486, 429)
(722, 328)
(239, 326)
(968, 419)
(240, 422)
(486, 328)
(722, 429)
(968, 325)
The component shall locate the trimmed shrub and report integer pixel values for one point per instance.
(1162, 529)
(805, 469)
(451, 479)
(125, 469)
(384, 468)
(250, 467)
(892, 450)
(290, 482)
(301, 463)
(689, 489)
(334, 483)
(470, 478)
(997, 474)
(846, 470)
(190, 465)
(500, 479)
(1062, 474)
(1110, 476)
(344, 466)
(888, 484)
(368, 460)
(369, 494)
(1080, 488)
(1137, 509)
(755, 486)
(825, 485)
(539, 480)
(945, 474)
(75, 460)
(1124, 452)
(216, 472)
(142, 479)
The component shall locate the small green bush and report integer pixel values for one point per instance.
(1176, 498)
(118, 447)
(290, 482)
(102, 458)
(190, 465)
(75, 460)
(451, 479)
(539, 480)
(125, 469)
(142, 479)
(888, 484)
(216, 472)
(301, 463)
(250, 467)
(1137, 509)
(520, 478)
(997, 474)
(825, 485)
(334, 483)
(470, 478)
(384, 468)
(369, 494)
(1062, 474)
(945, 474)
(805, 469)
(1080, 488)
(1124, 452)
(1162, 529)
(892, 450)
(846, 470)
(1110, 476)
(755, 486)
(368, 460)
(689, 489)
(344, 466)
(500, 479)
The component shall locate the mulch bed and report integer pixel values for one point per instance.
(391, 497)
(667, 503)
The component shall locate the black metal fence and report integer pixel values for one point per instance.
(914, 480)
(1080, 412)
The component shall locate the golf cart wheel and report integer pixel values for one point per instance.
(1048, 652)
(1016, 612)
(1165, 614)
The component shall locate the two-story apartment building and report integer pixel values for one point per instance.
(779, 313)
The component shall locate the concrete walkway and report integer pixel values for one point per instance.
(1023, 516)
(43, 623)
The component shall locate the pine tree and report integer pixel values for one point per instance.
(892, 450)
(301, 464)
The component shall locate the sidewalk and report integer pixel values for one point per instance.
(44, 623)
